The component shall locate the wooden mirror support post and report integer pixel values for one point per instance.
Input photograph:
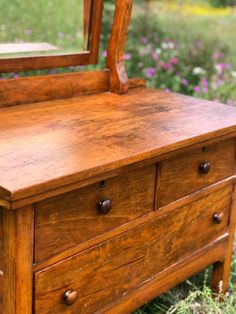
(109, 195)
(116, 48)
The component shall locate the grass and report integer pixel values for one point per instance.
(201, 21)
(58, 22)
(195, 297)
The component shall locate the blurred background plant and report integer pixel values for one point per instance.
(182, 46)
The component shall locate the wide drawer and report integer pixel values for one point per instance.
(191, 171)
(74, 217)
(107, 271)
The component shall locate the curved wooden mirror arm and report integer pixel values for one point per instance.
(116, 48)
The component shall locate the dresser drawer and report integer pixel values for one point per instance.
(194, 170)
(74, 217)
(107, 271)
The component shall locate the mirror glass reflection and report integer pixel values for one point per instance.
(43, 27)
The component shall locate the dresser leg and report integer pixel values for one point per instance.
(18, 227)
(221, 271)
(220, 277)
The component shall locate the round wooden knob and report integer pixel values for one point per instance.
(70, 296)
(218, 218)
(104, 207)
(205, 167)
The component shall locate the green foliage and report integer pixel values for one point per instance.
(223, 2)
(192, 62)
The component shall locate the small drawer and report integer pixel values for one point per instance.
(93, 279)
(194, 170)
(77, 216)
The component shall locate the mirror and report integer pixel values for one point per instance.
(43, 26)
(34, 30)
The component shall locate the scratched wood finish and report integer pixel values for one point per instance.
(52, 144)
(116, 47)
(72, 218)
(132, 224)
(113, 268)
(43, 88)
(180, 175)
(168, 279)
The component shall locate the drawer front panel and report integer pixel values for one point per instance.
(107, 271)
(183, 175)
(72, 218)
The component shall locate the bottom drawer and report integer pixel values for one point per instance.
(85, 283)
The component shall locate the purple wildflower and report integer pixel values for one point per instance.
(174, 60)
(167, 66)
(144, 40)
(184, 82)
(196, 89)
(154, 56)
(127, 56)
(104, 53)
(150, 72)
(204, 90)
(204, 82)
(218, 55)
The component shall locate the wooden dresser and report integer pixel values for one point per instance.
(111, 198)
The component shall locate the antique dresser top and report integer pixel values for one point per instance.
(52, 144)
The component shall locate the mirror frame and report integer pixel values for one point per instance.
(89, 56)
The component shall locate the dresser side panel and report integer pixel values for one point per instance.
(1, 258)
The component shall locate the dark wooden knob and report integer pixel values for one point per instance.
(104, 207)
(70, 296)
(218, 218)
(205, 167)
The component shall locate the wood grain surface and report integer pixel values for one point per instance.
(153, 215)
(72, 218)
(116, 47)
(168, 279)
(52, 144)
(43, 88)
(180, 175)
(110, 270)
